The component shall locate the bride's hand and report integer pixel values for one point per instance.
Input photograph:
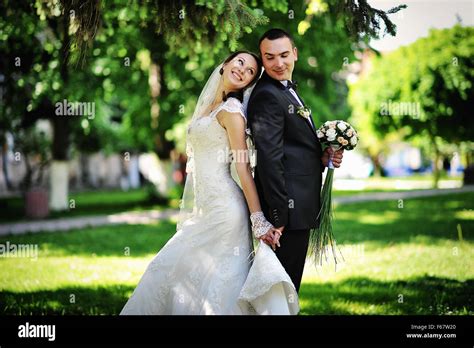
(264, 230)
(272, 238)
(268, 239)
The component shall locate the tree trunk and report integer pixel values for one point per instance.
(84, 163)
(377, 166)
(58, 184)
(436, 159)
(154, 82)
(162, 146)
(158, 172)
(468, 158)
(5, 165)
(133, 172)
(166, 184)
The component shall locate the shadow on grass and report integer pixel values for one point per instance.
(86, 301)
(421, 296)
(100, 241)
(422, 220)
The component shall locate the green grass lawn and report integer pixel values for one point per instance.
(412, 260)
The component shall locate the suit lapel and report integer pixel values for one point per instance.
(289, 97)
(295, 103)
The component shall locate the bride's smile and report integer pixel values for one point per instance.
(239, 78)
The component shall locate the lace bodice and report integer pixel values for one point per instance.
(208, 144)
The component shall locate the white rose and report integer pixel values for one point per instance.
(354, 141)
(331, 132)
(331, 137)
(319, 134)
(341, 126)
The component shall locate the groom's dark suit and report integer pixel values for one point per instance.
(289, 169)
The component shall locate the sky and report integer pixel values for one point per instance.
(415, 21)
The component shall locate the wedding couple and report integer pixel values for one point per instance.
(205, 267)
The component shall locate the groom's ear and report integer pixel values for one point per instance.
(295, 53)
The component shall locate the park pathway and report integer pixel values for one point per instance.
(152, 216)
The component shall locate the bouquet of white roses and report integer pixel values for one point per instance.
(338, 135)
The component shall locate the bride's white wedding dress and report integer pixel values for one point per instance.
(205, 267)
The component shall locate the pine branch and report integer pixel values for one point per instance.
(361, 19)
(181, 23)
(85, 14)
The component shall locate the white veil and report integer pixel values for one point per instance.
(188, 207)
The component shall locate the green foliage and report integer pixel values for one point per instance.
(436, 73)
(114, 46)
(190, 29)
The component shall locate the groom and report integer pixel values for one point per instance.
(290, 160)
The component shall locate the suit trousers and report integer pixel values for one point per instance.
(292, 253)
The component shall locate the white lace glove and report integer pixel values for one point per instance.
(260, 225)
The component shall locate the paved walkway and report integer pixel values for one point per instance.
(386, 196)
(65, 224)
(152, 216)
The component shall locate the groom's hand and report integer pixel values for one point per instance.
(336, 157)
(277, 235)
(272, 237)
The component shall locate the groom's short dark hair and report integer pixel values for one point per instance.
(274, 34)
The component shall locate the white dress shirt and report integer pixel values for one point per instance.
(292, 91)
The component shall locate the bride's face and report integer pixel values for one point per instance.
(239, 72)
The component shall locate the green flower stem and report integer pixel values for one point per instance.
(322, 238)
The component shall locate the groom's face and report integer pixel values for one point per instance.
(279, 57)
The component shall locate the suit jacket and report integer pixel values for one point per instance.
(289, 169)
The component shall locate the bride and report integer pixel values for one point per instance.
(206, 268)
